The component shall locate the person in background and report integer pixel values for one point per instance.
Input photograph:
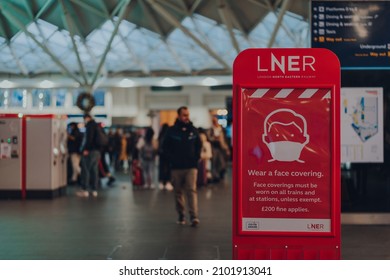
(182, 148)
(123, 156)
(75, 137)
(220, 150)
(104, 168)
(147, 147)
(164, 171)
(116, 145)
(131, 143)
(204, 164)
(110, 147)
(90, 158)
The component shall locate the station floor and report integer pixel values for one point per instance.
(126, 224)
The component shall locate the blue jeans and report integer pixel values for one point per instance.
(90, 170)
(148, 167)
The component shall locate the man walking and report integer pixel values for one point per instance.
(182, 148)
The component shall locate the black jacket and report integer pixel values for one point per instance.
(75, 142)
(182, 146)
(89, 141)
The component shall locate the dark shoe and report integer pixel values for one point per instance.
(194, 222)
(111, 180)
(181, 220)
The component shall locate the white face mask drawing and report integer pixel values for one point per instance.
(285, 134)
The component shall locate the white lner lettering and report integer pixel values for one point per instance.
(259, 65)
(294, 63)
(275, 62)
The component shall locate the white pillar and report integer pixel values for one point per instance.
(199, 113)
(68, 100)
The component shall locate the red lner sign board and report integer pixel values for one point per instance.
(286, 175)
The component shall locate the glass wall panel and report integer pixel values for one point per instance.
(4, 98)
(16, 98)
(60, 97)
(41, 98)
(99, 97)
(12, 98)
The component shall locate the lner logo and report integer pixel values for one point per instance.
(291, 63)
(319, 227)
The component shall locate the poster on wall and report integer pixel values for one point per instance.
(361, 125)
(287, 171)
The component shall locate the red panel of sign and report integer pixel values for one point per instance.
(287, 162)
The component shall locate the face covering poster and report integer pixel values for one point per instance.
(287, 146)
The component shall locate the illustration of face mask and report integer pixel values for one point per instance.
(285, 150)
(285, 134)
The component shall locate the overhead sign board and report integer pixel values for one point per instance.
(287, 154)
(354, 31)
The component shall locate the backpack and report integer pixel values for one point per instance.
(147, 152)
(101, 139)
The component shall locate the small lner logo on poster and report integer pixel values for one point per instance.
(316, 227)
(252, 225)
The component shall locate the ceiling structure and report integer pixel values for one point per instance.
(90, 42)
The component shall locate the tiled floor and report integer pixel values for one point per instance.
(122, 223)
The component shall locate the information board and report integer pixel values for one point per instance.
(356, 31)
(362, 125)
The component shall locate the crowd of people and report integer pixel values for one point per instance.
(185, 158)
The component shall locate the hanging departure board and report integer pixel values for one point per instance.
(356, 31)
